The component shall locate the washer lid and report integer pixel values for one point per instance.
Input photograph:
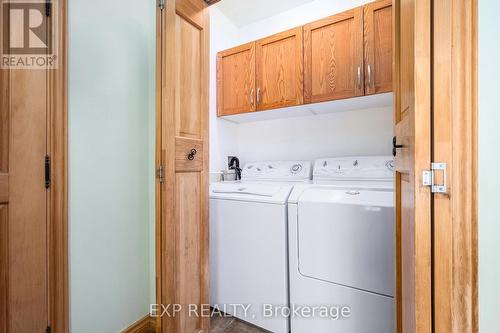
(256, 192)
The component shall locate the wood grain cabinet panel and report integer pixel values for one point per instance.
(188, 95)
(342, 56)
(236, 80)
(378, 47)
(333, 56)
(279, 67)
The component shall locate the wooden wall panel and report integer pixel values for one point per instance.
(189, 261)
(188, 99)
(184, 147)
(28, 238)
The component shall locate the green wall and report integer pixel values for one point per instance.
(111, 162)
(489, 166)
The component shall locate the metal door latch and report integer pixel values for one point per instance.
(429, 178)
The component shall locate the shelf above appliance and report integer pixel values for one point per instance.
(350, 104)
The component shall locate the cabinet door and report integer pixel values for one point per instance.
(236, 80)
(279, 66)
(333, 56)
(378, 47)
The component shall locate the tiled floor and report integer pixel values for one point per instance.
(232, 325)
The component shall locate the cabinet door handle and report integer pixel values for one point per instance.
(191, 155)
(359, 77)
(251, 97)
(369, 75)
(258, 96)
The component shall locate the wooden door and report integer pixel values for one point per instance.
(455, 143)
(279, 68)
(24, 204)
(378, 47)
(183, 153)
(333, 57)
(412, 119)
(236, 80)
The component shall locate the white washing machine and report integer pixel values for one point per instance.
(249, 242)
(342, 245)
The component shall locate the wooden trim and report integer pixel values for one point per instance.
(212, 2)
(205, 176)
(422, 155)
(143, 325)
(58, 192)
(412, 69)
(160, 49)
(398, 325)
(455, 143)
(474, 167)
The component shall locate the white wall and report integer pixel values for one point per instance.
(111, 172)
(222, 133)
(489, 164)
(295, 17)
(344, 133)
(362, 132)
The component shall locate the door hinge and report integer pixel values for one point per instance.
(161, 4)
(48, 8)
(160, 173)
(48, 330)
(47, 171)
(429, 178)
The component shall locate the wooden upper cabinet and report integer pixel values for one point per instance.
(279, 67)
(342, 56)
(333, 57)
(236, 80)
(378, 47)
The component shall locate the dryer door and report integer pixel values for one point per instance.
(347, 237)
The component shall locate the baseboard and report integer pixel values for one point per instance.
(144, 325)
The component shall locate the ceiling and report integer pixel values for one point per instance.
(243, 12)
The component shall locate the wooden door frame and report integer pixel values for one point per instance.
(57, 149)
(58, 192)
(454, 215)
